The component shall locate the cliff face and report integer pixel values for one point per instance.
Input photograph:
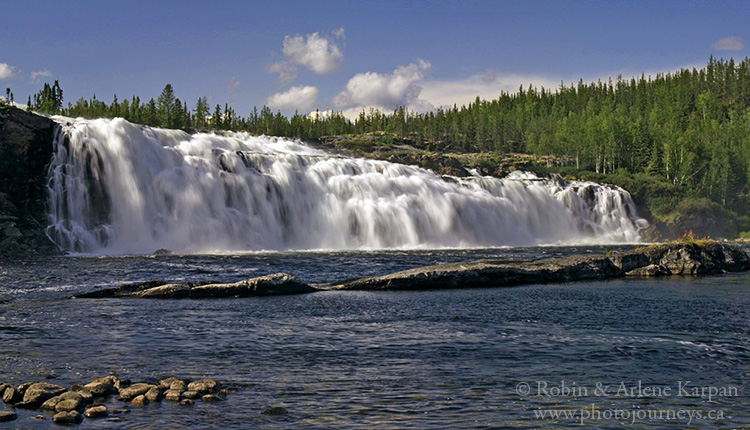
(25, 152)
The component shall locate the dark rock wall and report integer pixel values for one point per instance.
(26, 142)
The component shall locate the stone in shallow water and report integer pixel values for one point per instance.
(67, 405)
(178, 385)
(12, 396)
(275, 410)
(187, 402)
(36, 394)
(211, 398)
(96, 412)
(191, 394)
(167, 383)
(153, 394)
(7, 416)
(135, 390)
(71, 417)
(140, 400)
(173, 395)
(204, 386)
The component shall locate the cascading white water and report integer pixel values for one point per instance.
(116, 187)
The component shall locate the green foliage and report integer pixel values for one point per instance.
(48, 100)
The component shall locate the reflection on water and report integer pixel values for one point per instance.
(431, 359)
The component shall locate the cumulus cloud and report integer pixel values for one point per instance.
(385, 91)
(296, 98)
(733, 43)
(318, 54)
(36, 75)
(487, 86)
(7, 71)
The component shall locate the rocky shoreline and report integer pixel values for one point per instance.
(672, 259)
(94, 399)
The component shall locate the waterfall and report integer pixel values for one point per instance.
(117, 187)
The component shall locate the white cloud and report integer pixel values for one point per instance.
(385, 91)
(315, 52)
(36, 75)
(733, 43)
(286, 70)
(7, 71)
(296, 98)
(487, 86)
(232, 84)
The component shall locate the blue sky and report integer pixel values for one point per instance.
(349, 55)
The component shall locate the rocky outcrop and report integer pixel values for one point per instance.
(25, 152)
(271, 285)
(658, 260)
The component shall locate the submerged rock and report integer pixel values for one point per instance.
(7, 416)
(275, 410)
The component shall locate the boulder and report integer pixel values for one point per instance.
(12, 396)
(204, 386)
(167, 383)
(153, 394)
(191, 395)
(70, 417)
(178, 385)
(140, 400)
(38, 393)
(96, 412)
(135, 390)
(173, 395)
(67, 405)
(211, 398)
(102, 387)
(84, 392)
(187, 402)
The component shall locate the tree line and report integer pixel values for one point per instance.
(691, 127)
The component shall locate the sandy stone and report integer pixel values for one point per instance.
(187, 402)
(153, 394)
(71, 417)
(140, 400)
(96, 412)
(203, 386)
(173, 395)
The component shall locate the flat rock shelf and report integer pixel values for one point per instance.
(672, 259)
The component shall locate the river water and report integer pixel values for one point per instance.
(473, 358)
